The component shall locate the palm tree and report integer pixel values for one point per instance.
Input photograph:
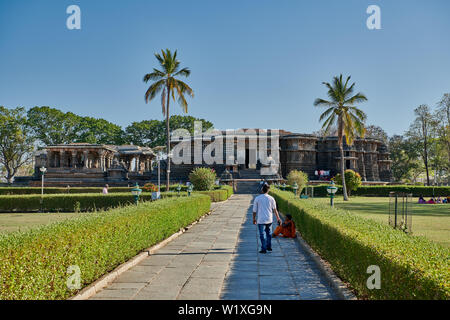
(165, 81)
(341, 110)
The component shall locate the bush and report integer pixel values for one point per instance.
(411, 267)
(67, 202)
(300, 177)
(352, 180)
(383, 191)
(203, 179)
(33, 264)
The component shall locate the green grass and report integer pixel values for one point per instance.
(429, 220)
(10, 222)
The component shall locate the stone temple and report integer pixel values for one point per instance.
(238, 156)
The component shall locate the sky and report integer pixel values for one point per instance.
(254, 63)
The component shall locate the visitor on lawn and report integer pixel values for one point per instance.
(263, 208)
(287, 229)
(422, 200)
(105, 189)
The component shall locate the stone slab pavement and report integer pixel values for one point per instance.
(218, 258)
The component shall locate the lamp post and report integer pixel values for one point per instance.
(158, 158)
(189, 190)
(43, 170)
(136, 191)
(331, 189)
(295, 187)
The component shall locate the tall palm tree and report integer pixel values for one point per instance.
(166, 82)
(341, 110)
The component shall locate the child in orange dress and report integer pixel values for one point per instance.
(287, 229)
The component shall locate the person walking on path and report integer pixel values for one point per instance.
(263, 208)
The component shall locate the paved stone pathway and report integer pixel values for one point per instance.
(218, 259)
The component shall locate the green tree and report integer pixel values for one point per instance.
(52, 126)
(165, 82)
(352, 180)
(341, 110)
(376, 132)
(405, 154)
(151, 133)
(298, 176)
(422, 132)
(16, 141)
(443, 115)
(98, 131)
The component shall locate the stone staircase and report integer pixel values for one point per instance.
(246, 187)
(249, 174)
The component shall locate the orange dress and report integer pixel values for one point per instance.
(287, 230)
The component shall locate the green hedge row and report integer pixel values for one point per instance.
(89, 201)
(411, 267)
(383, 191)
(34, 264)
(74, 190)
(59, 190)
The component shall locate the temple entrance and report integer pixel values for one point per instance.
(247, 158)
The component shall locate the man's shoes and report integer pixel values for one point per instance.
(269, 249)
(263, 251)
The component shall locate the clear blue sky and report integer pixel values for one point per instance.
(255, 63)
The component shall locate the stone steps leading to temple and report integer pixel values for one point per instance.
(247, 187)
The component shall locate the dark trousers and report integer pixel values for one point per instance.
(266, 242)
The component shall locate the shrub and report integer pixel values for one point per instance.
(33, 264)
(352, 180)
(300, 177)
(411, 267)
(67, 202)
(150, 187)
(203, 179)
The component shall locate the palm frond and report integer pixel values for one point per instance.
(153, 90)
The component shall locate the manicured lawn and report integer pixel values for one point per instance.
(22, 221)
(429, 220)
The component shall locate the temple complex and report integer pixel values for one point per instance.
(243, 154)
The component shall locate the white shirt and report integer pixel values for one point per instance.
(264, 206)
(105, 190)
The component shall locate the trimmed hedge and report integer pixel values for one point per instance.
(383, 191)
(34, 264)
(411, 267)
(75, 190)
(90, 201)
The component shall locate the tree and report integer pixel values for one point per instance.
(404, 155)
(166, 82)
(98, 131)
(443, 114)
(376, 132)
(52, 126)
(16, 142)
(352, 180)
(421, 131)
(341, 110)
(151, 133)
(300, 177)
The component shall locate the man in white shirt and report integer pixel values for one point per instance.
(263, 208)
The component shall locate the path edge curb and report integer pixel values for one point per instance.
(106, 279)
(336, 283)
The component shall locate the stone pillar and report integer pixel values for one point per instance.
(86, 158)
(74, 159)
